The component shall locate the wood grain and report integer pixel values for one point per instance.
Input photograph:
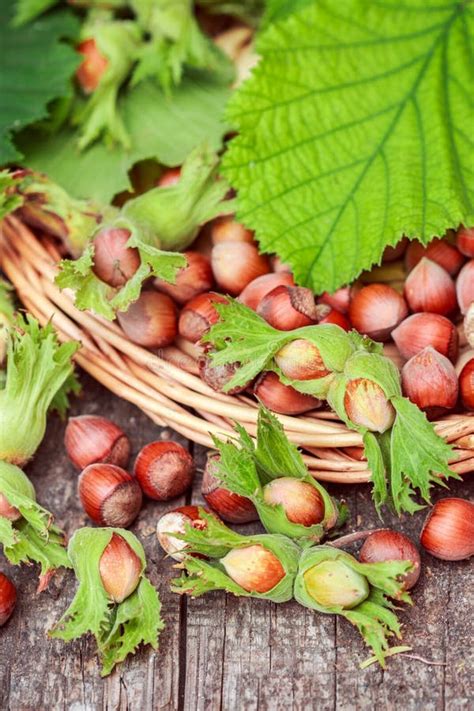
(219, 652)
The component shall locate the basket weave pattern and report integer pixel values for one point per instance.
(165, 384)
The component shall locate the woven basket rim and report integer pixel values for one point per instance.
(165, 384)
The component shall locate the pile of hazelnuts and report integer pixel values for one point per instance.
(109, 493)
(420, 319)
(163, 470)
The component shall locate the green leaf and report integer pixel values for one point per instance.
(27, 10)
(119, 628)
(376, 623)
(279, 9)
(378, 469)
(353, 130)
(35, 59)
(30, 546)
(236, 468)
(274, 454)
(160, 127)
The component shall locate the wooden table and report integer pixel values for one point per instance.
(220, 652)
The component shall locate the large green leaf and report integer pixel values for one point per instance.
(27, 10)
(356, 128)
(165, 128)
(35, 68)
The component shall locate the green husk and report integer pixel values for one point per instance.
(119, 628)
(214, 542)
(160, 220)
(245, 468)
(47, 206)
(406, 460)
(118, 42)
(374, 617)
(38, 368)
(175, 42)
(33, 537)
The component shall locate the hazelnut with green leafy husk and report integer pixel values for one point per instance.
(272, 474)
(334, 582)
(38, 378)
(175, 42)
(140, 235)
(115, 601)
(261, 566)
(27, 532)
(115, 43)
(46, 206)
(363, 387)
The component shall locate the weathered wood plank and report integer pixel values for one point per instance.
(218, 652)
(205, 634)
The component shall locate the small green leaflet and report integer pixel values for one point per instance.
(241, 336)
(376, 623)
(29, 546)
(274, 454)
(160, 127)
(353, 131)
(43, 74)
(60, 402)
(9, 200)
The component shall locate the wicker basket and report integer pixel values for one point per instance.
(165, 384)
